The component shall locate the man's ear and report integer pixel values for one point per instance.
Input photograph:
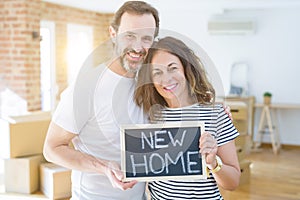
(112, 32)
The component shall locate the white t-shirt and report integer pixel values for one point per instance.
(94, 108)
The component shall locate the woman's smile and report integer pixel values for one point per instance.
(171, 87)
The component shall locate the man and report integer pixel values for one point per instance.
(90, 118)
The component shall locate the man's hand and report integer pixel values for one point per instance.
(227, 110)
(115, 176)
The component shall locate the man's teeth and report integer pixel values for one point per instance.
(134, 55)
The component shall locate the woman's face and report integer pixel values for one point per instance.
(169, 80)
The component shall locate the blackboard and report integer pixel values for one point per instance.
(162, 151)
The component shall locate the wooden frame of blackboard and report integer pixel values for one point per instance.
(165, 126)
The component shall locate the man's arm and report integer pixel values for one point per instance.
(57, 149)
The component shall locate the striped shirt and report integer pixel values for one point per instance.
(218, 123)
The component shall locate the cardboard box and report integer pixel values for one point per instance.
(242, 140)
(55, 181)
(245, 172)
(241, 126)
(239, 110)
(23, 135)
(240, 153)
(243, 144)
(22, 174)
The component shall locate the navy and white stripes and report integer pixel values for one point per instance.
(218, 123)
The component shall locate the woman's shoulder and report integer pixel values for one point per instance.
(216, 106)
(195, 107)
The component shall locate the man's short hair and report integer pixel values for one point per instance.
(135, 7)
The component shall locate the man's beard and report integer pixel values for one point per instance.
(127, 64)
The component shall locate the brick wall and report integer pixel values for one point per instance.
(63, 15)
(20, 52)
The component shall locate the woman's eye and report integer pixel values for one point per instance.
(156, 73)
(173, 68)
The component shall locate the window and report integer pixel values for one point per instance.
(80, 45)
(48, 80)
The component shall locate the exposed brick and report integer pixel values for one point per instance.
(20, 53)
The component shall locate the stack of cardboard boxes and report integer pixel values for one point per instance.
(239, 111)
(26, 170)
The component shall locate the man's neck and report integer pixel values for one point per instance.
(117, 67)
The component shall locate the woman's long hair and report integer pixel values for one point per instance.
(200, 88)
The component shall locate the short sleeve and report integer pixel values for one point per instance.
(226, 131)
(64, 113)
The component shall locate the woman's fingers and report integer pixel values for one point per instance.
(208, 144)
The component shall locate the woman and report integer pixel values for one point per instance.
(174, 87)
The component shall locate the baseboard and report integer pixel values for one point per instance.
(284, 146)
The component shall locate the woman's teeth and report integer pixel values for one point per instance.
(170, 87)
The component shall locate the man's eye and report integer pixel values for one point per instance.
(130, 36)
(147, 39)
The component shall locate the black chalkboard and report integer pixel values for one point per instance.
(162, 151)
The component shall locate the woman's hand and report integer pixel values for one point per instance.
(208, 147)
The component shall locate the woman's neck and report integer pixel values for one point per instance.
(174, 103)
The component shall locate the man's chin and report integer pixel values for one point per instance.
(133, 71)
(133, 68)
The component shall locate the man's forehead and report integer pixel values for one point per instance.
(142, 31)
(144, 23)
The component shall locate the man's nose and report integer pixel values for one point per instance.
(137, 45)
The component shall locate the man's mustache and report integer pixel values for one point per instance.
(130, 50)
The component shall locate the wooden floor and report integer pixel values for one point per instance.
(275, 177)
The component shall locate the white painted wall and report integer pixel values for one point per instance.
(272, 53)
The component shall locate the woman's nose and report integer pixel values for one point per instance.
(166, 77)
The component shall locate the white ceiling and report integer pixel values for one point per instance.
(110, 6)
(94, 5)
